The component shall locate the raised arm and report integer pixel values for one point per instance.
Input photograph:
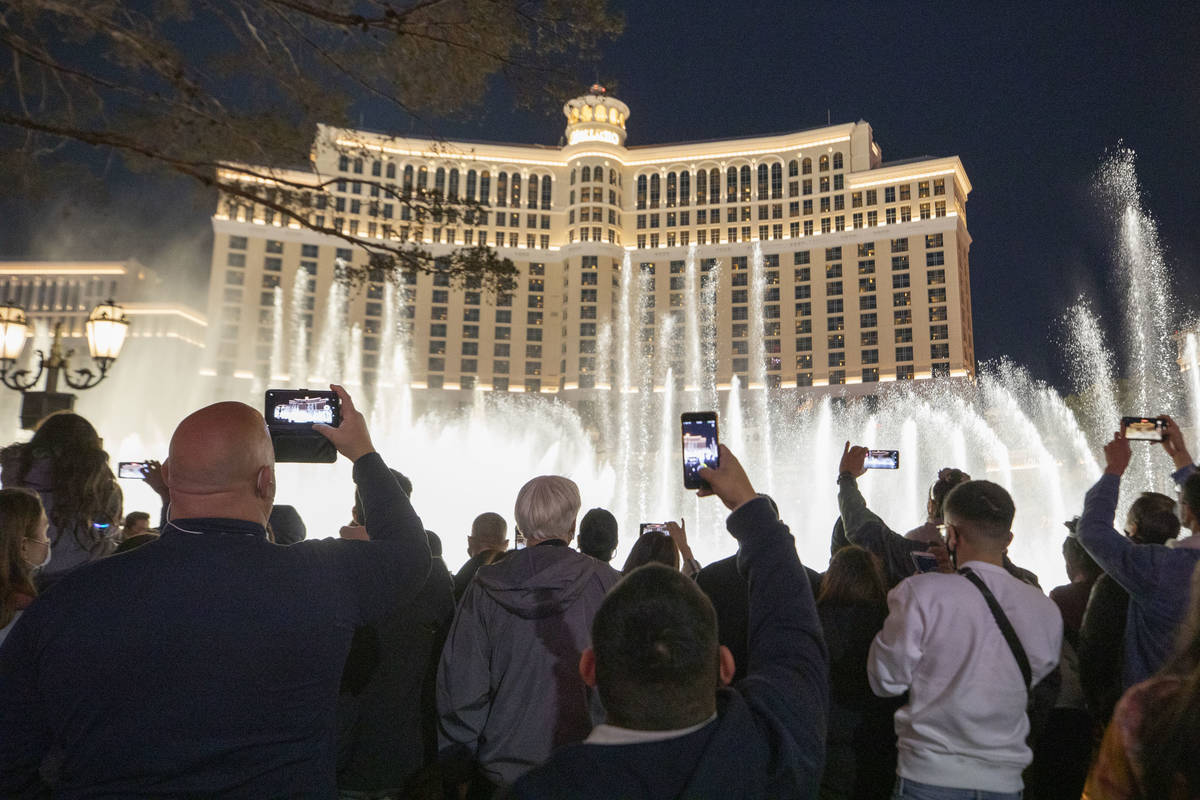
(864, 527)
(390, 568)
(787, 677)
(1176, 448)
(1132, 565)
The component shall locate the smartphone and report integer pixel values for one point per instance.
(882, 459)
(132, 469)
(1144, 429)
(291, 414)
(699, 446)
(649, 527)
(925, 562)
(293, 408)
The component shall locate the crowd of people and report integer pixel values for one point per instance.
(223, 653)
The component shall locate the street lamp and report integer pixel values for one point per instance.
(106, 328)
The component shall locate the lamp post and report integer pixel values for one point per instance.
(106, 329)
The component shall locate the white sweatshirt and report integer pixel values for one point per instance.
(965, 724)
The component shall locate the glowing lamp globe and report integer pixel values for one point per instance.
(13, 326)
(106, 330)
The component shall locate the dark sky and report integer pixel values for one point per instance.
(1029, 95)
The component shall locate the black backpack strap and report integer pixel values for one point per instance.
(1006, 627)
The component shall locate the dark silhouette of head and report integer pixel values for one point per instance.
(947, 479)
(655, 655)
(1149, 519)
(1080, 565)
(652, 547)
(598, 534)
(287, 525)
(854, 578)
(981, 513)
(489, 533)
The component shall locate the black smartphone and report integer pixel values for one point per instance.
(291, 414)
(882, 459)
(925, 562)
(699, 446)
(132, 469)
(1144, 429)
(652, 527)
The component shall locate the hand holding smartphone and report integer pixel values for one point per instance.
(291, 414)
(700, 446)
(133, 470)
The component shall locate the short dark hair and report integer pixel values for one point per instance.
(947, 479)
(854, 577)
(988, 506)
(1079, 561)
(657, 657)
(133, 517)
(652, 547)
(1157, 527)
(598, 534)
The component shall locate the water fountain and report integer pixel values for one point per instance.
(1005, 427)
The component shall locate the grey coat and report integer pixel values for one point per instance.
(509, 690)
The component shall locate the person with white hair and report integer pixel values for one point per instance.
(508, 689)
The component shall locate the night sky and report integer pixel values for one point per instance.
(1030, 96)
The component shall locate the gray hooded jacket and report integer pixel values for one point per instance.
(509, 690)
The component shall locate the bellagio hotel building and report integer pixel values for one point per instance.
(866, 262)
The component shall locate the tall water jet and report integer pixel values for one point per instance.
(694, 363)
(1144, 282)
(277, 365)
(1091, 367)
(710, 285)
(626, 308)
(328, 365)
(298, 331)
(352, 374)
(1191, 355)
(761, 422)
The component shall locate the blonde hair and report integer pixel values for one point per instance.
(547, 507)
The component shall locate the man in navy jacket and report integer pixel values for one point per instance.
(656, 663)
(206, 663)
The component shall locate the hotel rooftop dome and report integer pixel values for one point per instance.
(596, 117)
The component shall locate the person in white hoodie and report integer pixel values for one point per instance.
(963, 731)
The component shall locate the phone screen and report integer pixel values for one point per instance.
(699, 446)
(648, 527)
(131, 469)
(882, 459)
(295, 408)
(1144, 429)
(925, 562)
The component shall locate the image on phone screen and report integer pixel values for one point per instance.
(1144, 429)
(131, 469)
(699, 446)
(882, 459)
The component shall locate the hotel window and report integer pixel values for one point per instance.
(857, 221)
(804, 344)
(837, 377)
(866, 266)
(808, 186)
(836, 341)
(899, 263)
(937, 314)
(825, 205)
(437, 347)
(937, 295)
(900, 281)
(872, 197)
(906, 213)
(839, 202)
(834, 306)
(940, 369)
(839, 183)
(904, 372)
(270, 281)
(235, 278)
(939, 208)
(904, 353)
(803, 310)
(776, 181)
(935, 259)
(500, 367)
(890, 216)
(866, 302)
(655, 190)
(901, 299)
(939, 186)
(939, 350)
(856, 200)
(235, 259)
(685, 189)
(902, 317)
(939, 332)
(672, 189)
(745, 174)
(835, 323)
(925, 213)
(905, 191)
(833, 288)
(868, 321)
(935, 276)
(903, 335)
(923, 189)
(870, 356)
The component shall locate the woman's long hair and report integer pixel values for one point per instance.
(1170, 733)
(854, 577)
(652, 547)
(81, 481)
(20, 513)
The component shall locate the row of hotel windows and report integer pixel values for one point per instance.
(775, 210)
(477, 188)
(775, 232)
(40, 294)
(739, 183)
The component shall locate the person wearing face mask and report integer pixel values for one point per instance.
(24, 549)
(226, 680)
(969, 647)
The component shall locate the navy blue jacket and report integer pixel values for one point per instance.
(768, 740)
(204, 663)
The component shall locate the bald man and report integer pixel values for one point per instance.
(207, 663)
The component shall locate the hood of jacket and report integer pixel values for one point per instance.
(540, 581)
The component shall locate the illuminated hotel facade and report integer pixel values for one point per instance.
(866, 263)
